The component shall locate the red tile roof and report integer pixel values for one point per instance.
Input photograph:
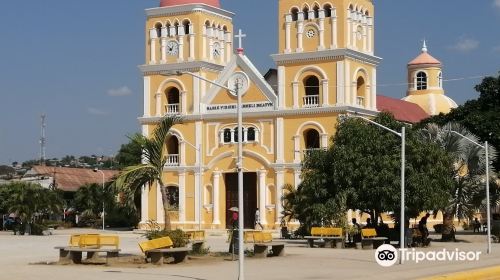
(71, 179)
(424, 58)
(402, 110)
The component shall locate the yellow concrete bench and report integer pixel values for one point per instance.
(370, 239)
(328, 234)
(196, 238)
(248, 236)
(261, 243)
(158, 248)
(94, 240)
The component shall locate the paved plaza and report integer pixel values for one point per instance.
(26, 257)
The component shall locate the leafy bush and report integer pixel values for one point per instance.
(37, 229)
(179, 237)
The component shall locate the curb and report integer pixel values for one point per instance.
(483, 274)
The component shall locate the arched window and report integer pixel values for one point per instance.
(311, 90)
(236, 134)
(306, 12)
(158, 27)
(173, 101)
(316, 11)
(311, 85)
(186, 24)
(361, 91)
(295, 14)
(311, 137)
(421, 81)
(172, 151)
(227, 135)
(251, 134)
(328, 10)
(440, 79)
(168, 29)
(176, 29)
(173, 197)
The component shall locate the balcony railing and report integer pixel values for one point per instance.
(172, 109)
(172, 160)
(311, 101)
(360, 101)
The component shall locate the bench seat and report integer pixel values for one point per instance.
(261, 249)
(370, 240)
(157, 256)
(73, 255)
(329, 241)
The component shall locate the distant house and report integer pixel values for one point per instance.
(65, 178)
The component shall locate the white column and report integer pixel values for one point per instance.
(296, 175)
(147, 100)
(296, 148)
(280, 140)
(211, 49)
(245, 131)
(280, 179)
(153, 35)
(204, 43)
(197, 197)
(262, 195)
(191, 43)
(334, 44)
(228, 50)
(216, 178)
(349, 28)
(182, 197)
(347, 82)
(321, 34)
(144, 204)
(340, 83)
(295, 95)
(281, 87)
(183, 102)
(354, 93)
(163, 50)
(365, 36)
(196, 95)
(288, 26)
(300, 31)
(158, 104)
(373, 87)
(370, 35)
(324, 140)
(324, 84)
(180, 56)
(160, 212)
(197, 182)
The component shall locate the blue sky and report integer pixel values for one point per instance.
(76, 61)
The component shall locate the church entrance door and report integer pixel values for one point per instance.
(249, 197)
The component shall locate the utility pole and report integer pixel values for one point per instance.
(42, 140)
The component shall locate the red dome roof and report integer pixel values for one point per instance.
(424, 58)
(168, 3)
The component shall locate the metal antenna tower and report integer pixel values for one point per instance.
(42, 140)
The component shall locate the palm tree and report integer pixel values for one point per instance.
(132, 178)
(468, 172)
(88, 200)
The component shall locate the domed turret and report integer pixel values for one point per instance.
(425, 84)
(168, 3)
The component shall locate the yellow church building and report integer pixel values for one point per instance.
(326, 66)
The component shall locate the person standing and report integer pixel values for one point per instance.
(257, 219)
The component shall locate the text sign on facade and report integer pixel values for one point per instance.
(255, 106)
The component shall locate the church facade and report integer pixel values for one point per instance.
(325, 66)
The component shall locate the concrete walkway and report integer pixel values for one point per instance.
(18, 255)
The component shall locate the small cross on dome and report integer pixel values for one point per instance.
(240, 37)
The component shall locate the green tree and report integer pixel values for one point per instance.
(367, 162)
(89, 199)
(480, 116)
(132, 178)
(468, 192)
(130, 153)
(32, 201)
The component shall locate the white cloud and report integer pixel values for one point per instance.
(465, 44)
(496, 3)
(96, 111)
(123, 91)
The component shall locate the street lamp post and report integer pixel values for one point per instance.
(403, 160)
(103, 212)
(488, 206)
(198, 149)
(239, 166)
